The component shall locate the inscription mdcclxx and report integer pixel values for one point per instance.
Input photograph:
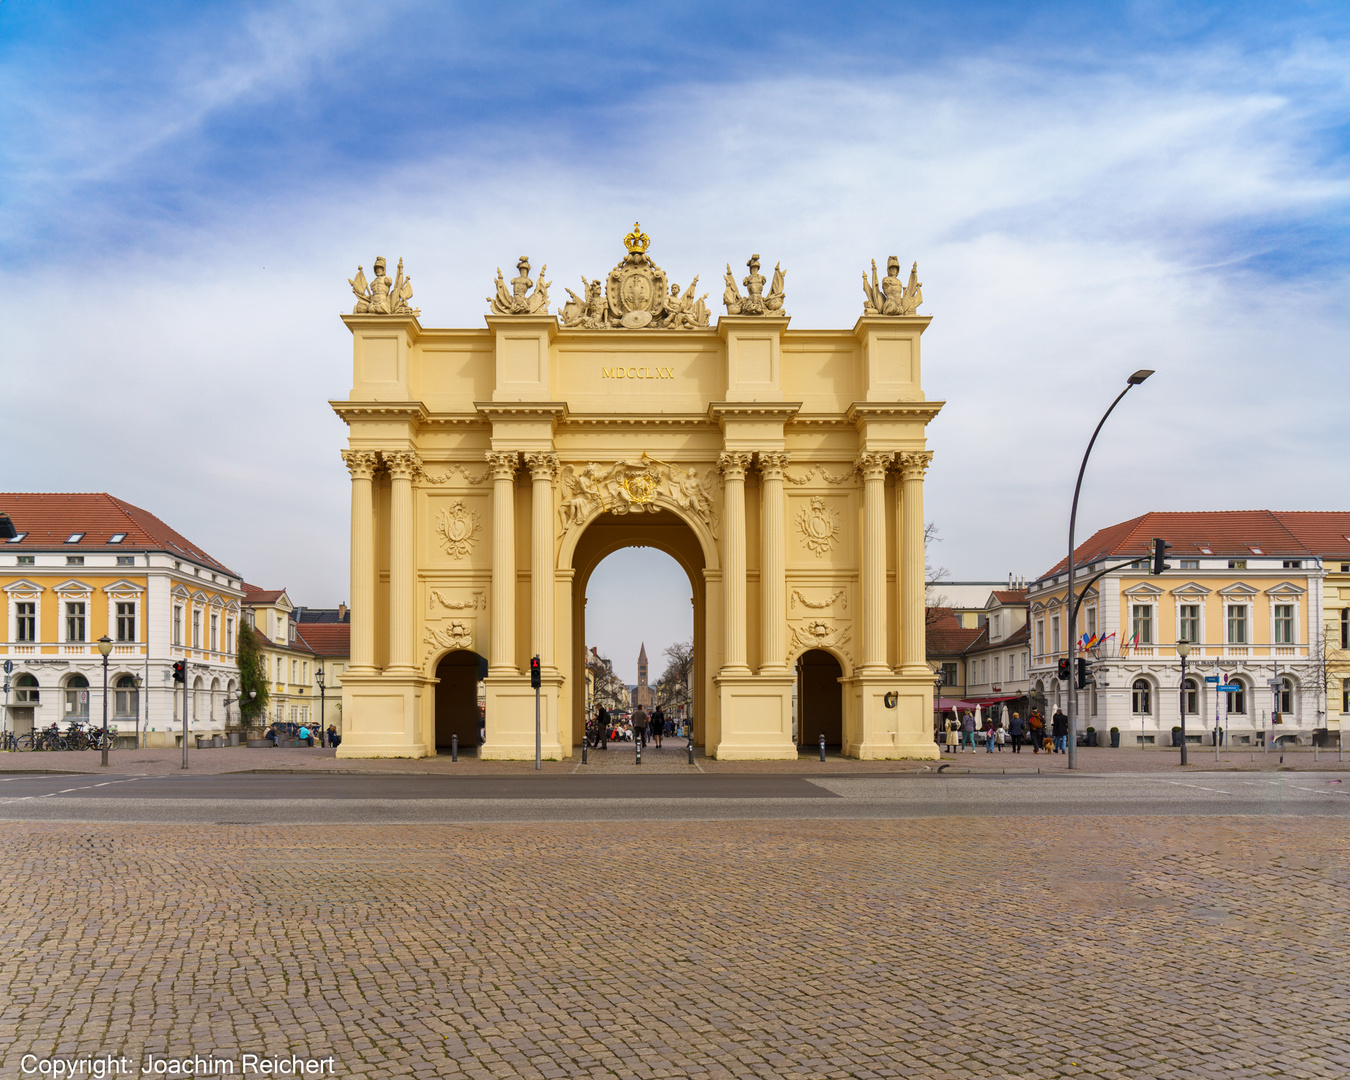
(637, 373)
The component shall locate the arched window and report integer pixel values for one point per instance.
(77, 697)
(1141, 698)
(126, 699)
(215, 693)
(198, 700)
(1190, 697)
(1286, 697)
(1237, 699)
(27, 689)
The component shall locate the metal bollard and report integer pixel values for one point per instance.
(637, 747)
(690, 748)
(454, 747)
(583, 748)
(822, 746)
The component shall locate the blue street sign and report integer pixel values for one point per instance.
(1212, 678)
(1228, 688)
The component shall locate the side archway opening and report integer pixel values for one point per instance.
(820, 699)
(460, 676)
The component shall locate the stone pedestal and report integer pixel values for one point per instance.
(878, 732)
(756, 717)
(510, 719)
(384, 716)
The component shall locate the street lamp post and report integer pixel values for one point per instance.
(1072, 629)
(323, 728)
(105, 646)
(1183, 651)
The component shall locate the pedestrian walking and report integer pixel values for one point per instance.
(640, 726)
(989, 730)
(968, 733)
(602, 728)
(658, 725)
(1059, 728)
(953, 733)
(1000, 737)
(1036, 728)
(1016, 730)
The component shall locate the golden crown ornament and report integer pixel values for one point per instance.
(637, 241)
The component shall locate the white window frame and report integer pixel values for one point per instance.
(196, 627)
(1228, 606)
(1151, 611)
(178, 625)
(1189, 602)
(24, 592)
(214, 640)
(1040, 637)
(1134, 691)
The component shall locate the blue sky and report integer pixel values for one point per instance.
(1088, 188)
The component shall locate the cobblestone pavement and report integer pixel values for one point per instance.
(671, 758)
(947, 948)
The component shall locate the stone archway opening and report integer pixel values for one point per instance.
(460, 676)
(820, 699)
(663, 531)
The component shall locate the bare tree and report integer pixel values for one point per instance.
(673, 689)
(935, 603)
(610, 691)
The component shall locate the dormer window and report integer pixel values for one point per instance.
(74, 538)
(16, 538)
(117, 538)
(1257, 551)
(1206, 551)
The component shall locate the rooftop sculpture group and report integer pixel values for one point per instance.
(637, 294)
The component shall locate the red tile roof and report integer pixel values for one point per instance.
(255, 595)
(1324, 532)
(1010, 596)
(326, 639)
(1223, 532)
(46, 519)
(947, 637)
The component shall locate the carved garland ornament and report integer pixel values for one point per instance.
(816, 605)
(819, 525)
(451, 469)
(814, 470)
(478, 600)
(458, 528)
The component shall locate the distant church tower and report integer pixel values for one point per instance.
(642, 696)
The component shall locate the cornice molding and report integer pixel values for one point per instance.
(861, 411)
(493, 410)
(380, 410)
(782, 410)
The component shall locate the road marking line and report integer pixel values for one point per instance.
(1198, 787)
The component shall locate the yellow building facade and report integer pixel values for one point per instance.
(493, 469)
(76, 567)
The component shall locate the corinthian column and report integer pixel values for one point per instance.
(733, 465)
(772, 578)
(502, 464)
(402, 465)
(361, 464)
(873, 469)
(912, 464)
(543, 468)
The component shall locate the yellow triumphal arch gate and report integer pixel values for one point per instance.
(493, 469)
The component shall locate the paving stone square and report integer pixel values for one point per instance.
(944, 948)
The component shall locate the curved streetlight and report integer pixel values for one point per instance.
(1072, 629)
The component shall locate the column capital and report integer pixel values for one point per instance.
(542, 466)
(360, 463)
(502, 463)
(733, 463)
(772, 463)
(913, 463)
(872, 465)
(402, 464)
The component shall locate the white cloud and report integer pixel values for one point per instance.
(1069, 227)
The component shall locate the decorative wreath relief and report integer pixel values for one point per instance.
(819, 525)
(458, 529)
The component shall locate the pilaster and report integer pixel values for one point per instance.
(361, 464)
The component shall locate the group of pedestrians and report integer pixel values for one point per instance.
(303, 734)
(962, 733)
(641, 727)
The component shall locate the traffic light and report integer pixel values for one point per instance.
(1160, 550)
(180, 671)
(535, 681)
(1082, 673)
(1064, 669)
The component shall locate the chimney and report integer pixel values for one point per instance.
(342, 612)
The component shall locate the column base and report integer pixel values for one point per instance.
(756, 717)
(509, 720)
(383, 717)
(876, 732)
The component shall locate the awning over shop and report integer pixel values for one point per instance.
(943, 704)
(993, 700)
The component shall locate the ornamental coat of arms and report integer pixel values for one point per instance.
(637, 294)
(458, 529)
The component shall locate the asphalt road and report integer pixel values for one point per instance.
(386, 799)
